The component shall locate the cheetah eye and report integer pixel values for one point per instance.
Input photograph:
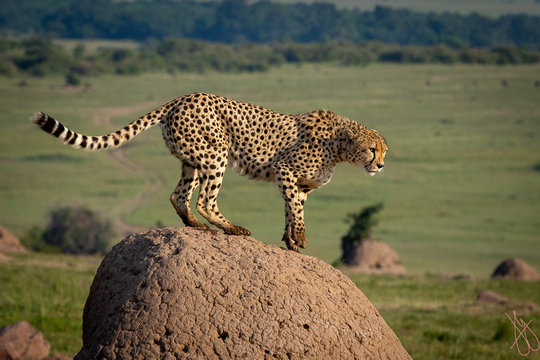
(372, 150)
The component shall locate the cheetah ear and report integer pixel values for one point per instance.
(347, 134)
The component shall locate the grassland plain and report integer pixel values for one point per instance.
(461, 189)
(460, 192)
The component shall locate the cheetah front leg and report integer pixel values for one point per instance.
(181, 196)
(294, 235)
(207, 206)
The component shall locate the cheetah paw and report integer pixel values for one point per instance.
(237, 230)
(300, 239)
(291, 245)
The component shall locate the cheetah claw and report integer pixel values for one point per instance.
(237, 230)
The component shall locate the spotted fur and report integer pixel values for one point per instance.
(208, 132)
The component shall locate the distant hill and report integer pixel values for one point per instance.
(240, 21)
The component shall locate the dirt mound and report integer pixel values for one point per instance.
(488, 296)
(373, 257)
(22, 341)
(516, 268)
(9, 243)
(195, 294)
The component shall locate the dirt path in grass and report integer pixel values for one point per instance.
(153, 181)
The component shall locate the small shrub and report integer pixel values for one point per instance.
(503, 331)
(73, 79)
(78, 230)
(440, 335)
(33, 240)
(362, 224)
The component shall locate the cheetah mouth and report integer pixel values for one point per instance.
(372, 172)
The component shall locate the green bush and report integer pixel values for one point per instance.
(73, 79)
(362, 224)
(77, 230)
(33, 240)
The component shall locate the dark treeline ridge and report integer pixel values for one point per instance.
(38, 56)
(239, 21)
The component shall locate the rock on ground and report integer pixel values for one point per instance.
(196, 294)
(516, 268)
(373, 257)
(488, 296)
(20, 341)
(9, 243)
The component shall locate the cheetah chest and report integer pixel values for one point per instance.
(322, 177)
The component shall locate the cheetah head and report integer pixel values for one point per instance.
(367, 149)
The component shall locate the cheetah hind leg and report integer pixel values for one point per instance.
(181, 197)
(207, 203)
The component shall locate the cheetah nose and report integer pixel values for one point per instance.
(380, 166)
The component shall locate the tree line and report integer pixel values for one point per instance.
(241, 21)
(39, 56)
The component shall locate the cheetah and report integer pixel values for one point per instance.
(209, 132)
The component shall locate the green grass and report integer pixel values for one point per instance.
(460, 187)
(48, 291)
(434, 317)
(438, 318)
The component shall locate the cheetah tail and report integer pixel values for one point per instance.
(95, 143)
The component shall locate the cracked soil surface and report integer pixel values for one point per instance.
(182, 293)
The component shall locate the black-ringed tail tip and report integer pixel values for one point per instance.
(94, 143)
(55, 128)
(48, 124)
(39, 119)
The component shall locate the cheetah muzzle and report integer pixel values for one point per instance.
(208, 133)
